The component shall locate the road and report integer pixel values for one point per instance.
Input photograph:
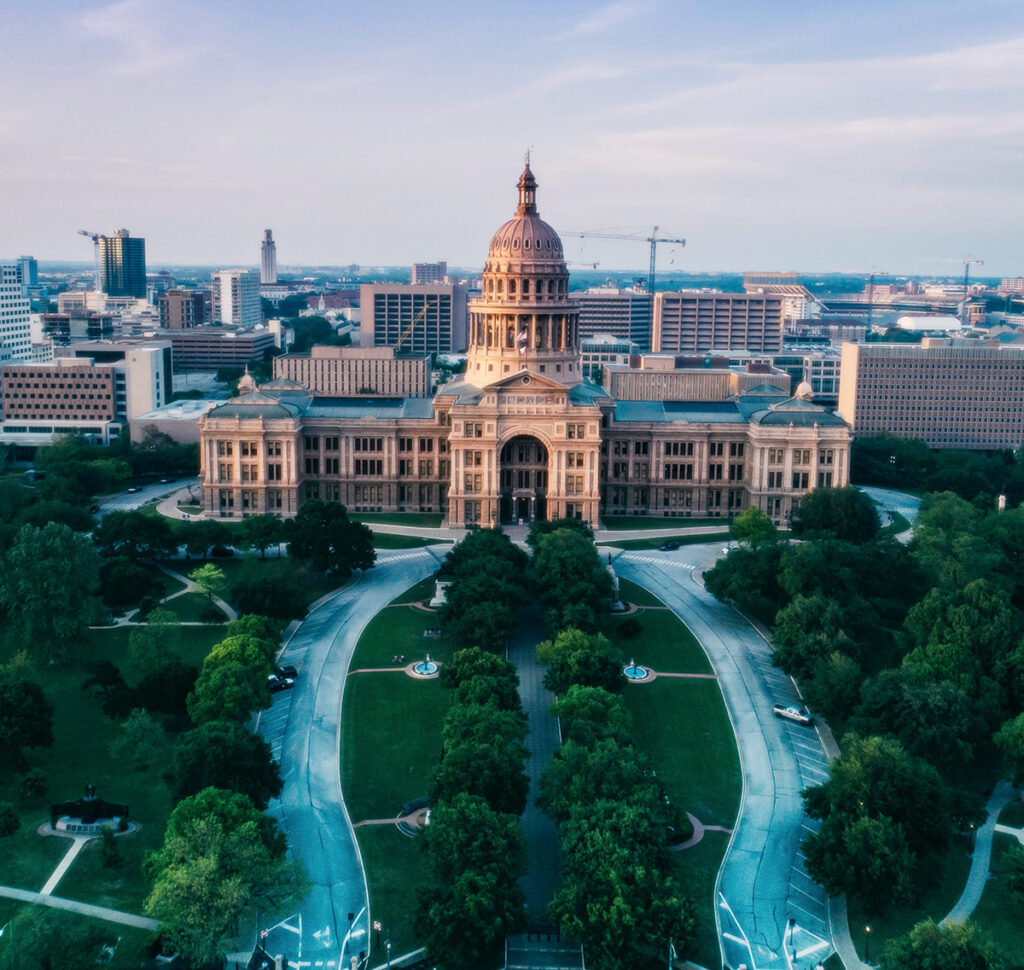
(762, 884)
(303, 728)
(126, 501)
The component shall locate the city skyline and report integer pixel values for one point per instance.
(789, 138)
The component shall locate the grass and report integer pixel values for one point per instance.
(940, 891)
(79, 756)
(1013, 815)
(191, 607)
(390, 540)
(998, 913)
(899, 523)
(697, 869)
(631, 592)
(664, 643)
(420, 520)
(395, 866)
(624, 522)
(313, 584)
(656, 542)
(190, 509)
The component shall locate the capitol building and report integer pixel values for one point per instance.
(522, 434)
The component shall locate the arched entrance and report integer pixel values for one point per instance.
(523, 467)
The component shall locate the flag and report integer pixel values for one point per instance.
(377, 926)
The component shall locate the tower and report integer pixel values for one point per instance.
(268, 259)
(121, 265)
(524, 320)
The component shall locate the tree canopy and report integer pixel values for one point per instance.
(26, 718)
(322, 534)
(571, 582)
(575, 657)
(844, 513)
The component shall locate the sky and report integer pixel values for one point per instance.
(842, 136)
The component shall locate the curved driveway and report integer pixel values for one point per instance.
(303, 728)
(762, 884)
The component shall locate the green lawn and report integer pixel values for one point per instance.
(626, 522)
(664, 643)
(899, 523)
(998, 913)
(391, 540)
(419, 520)
(697, 870)
(632, 593)
(80, 756)
(656, 542)
(191, 608)
(942, 889)
(314, 584)
(395, 866)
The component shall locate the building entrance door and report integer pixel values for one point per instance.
(523, 470)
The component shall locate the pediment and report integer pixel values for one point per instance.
(526, 381)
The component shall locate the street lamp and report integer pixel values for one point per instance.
(867, 944)
(972, 838)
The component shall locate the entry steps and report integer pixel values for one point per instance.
(542, 948)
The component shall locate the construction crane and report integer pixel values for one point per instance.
(408, 330)
(967, 272)
(653, 239)
(94, 236)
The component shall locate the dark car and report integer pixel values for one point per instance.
(276, 683)
(793, 712)
(669, 546)
(287, 671)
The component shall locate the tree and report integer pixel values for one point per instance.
(323, 534)
(150, 643)
(575, 657)
(224, 754)
(753, 527)
(200, 536)
(543, 527)
(260, 531)
(749, 580)
(47, 939)
(166, 688)
(807, 630)
(570, 579)
(254, 653)
(134, 534)
(210, 579)
(138, 740)
(477, 676)
(951, 946)
(844, 513)
(588, 714)
(1010, 741)
(26, 718)
(123, 582)
(48, 588)
(228, 692)
(220, 855)
(9, 821)
(280, 595)
(487, 765)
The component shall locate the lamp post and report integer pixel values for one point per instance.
(972, 838)
(867, 944)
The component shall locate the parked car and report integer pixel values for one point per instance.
(287, 671)
(669, 546)
(134, 488)
(793, 712)
(276, 683)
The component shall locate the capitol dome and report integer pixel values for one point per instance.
(526, 235)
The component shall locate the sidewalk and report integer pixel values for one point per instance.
(85, 909)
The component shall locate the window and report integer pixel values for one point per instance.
(824, 479)
(405, 466)
(224, 472)
(312, 466)
(715, 472)
(369, 444)
(474, 458)
(474, 483)
(426, 467)
(330, 466)
(573, 484)
(249, 449)
(273, 498)
(676, 471)
(274, 449)
(331, 443)
(405, 444)
(800, 479)
(227, 499)
(775, 480)
(574, 431)
(472, 511)
(250, 473)
(427, 444)
(574, 459)
(642, 470)
(311, 442)
(826, 457)
(369, 466)
(716, 449)
(776, 456)
(735, 473)
(273, 473)
(640, 447)
(802, 457)
(679, 448)
(735, 449)
(224, 449)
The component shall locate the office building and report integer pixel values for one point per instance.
(29, 270)
(948, 393)
(429, 272)
(425, 318)
(601, 349)
(522, 434)
(676, 379)
(687, 322)
(15, 327)
(356, 372)
(236, 298)
(121, 265)
(268, 260)
(182, 309)
(209, 348)
(625, 314)
(63, 328)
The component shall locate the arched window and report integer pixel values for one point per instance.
(511, 287)
(526, 287)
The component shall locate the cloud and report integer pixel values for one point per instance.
(603, 19)
(144, 33)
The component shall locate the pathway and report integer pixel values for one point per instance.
(86, 909)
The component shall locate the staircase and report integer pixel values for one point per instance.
(542, 948)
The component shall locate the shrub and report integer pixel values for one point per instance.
(9, 821)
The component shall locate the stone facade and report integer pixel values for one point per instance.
(522, 434)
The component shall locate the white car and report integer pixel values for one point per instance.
(793, 712)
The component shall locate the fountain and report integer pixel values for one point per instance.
(634, 671)
(426, 667)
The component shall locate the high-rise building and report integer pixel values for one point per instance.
(236, 298)
(182, 309)
(356, 372)
(949, 393)
(685, 322)
(429, 272)
(15, 330)
(29, 270)
(425, 318)
(121, 265)
(268, 259)
(625, 314)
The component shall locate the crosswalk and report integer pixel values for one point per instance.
(398, 557)
(658, 561)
